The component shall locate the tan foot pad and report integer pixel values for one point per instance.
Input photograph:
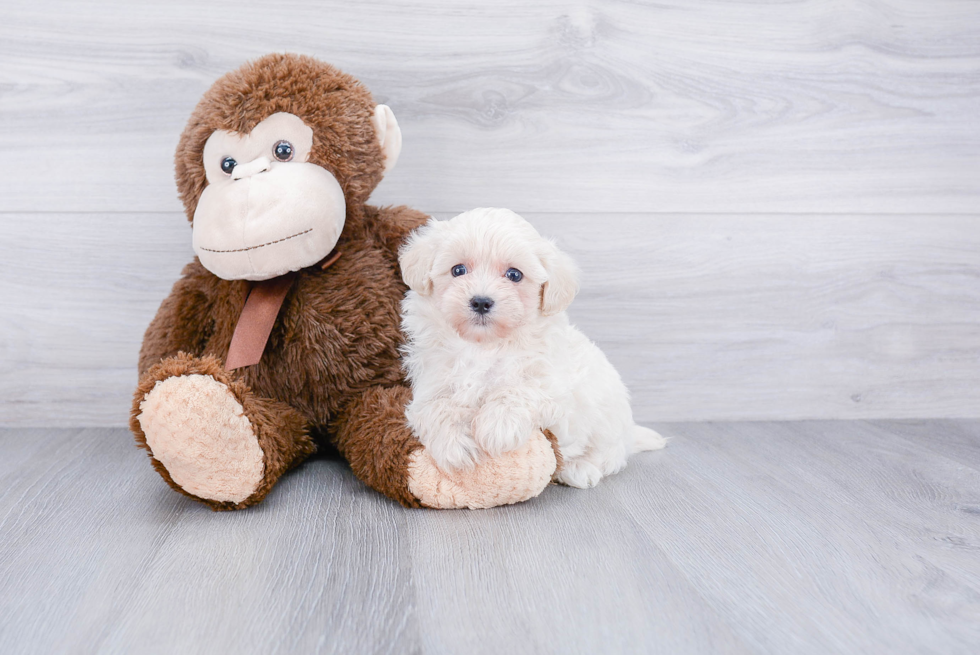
(198, 430)
(510, 478)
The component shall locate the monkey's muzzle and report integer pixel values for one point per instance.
(267, 219)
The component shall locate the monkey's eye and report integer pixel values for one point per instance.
(458, 270)
(228, 165)
(283, 151)
(513, 275)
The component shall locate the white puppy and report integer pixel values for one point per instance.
(492, 357)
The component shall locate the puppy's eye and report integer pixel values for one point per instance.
(513, 275)
(283, 151)
(458, 270)
(228, 165)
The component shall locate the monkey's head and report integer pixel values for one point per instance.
(274, 158)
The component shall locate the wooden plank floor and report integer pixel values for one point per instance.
(797, 537)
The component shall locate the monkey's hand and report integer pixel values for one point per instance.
(513, 477)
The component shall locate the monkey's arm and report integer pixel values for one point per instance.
(374, 437)
(372, 434)
(184, 321)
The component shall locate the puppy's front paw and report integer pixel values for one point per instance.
(443, 427)
(550, 413)
(500, 428)
(454, 451)
(579, 473)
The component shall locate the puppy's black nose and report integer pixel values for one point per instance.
(481, 304)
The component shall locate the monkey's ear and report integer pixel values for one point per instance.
(417, 257)
(560, 288)
(389, 135)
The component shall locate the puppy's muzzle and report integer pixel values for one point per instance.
(481, 304)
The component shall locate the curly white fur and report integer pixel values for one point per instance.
(483, 383)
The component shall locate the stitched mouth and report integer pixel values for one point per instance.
(292, 236)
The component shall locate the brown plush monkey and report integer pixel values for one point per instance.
(284, 330)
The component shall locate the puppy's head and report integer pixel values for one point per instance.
(488, 272)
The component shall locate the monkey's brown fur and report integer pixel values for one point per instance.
(331, 363)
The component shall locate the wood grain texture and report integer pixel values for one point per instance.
(805, 537)
(816, 498)
(775, 204)
(706, 317)
(718, 106)
(784, 317)
(74, 309)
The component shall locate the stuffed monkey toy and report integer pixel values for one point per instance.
(283, 333)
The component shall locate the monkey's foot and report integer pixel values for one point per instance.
(197, 429)
(512, 477)
(200, 429)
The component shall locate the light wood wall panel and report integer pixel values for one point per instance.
(706, 317)
(675, 106)
(777, 205)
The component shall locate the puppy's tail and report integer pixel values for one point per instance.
(646, 439)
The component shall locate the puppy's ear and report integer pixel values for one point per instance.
(561, 286)
(417, 256)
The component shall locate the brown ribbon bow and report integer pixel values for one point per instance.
(258, 316)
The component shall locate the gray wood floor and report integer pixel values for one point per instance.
(797, 537)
